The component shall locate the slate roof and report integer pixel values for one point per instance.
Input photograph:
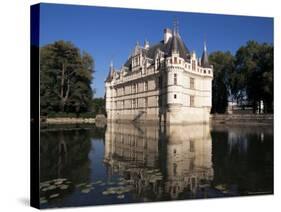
(204, 59)
(110, 74)
(175, 43)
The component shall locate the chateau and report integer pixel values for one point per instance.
(164, 82)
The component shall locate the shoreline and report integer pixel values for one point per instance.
(215, 119)
(65, 120)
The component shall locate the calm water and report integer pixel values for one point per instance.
(87, 165)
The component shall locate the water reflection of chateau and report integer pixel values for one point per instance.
(161, 163)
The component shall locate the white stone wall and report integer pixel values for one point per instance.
(136, 95)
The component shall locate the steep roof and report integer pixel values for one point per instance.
(110, 73)
(175, 43)
(205, 59)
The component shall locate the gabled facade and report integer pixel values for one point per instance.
(164, 82)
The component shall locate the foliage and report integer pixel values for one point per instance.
(245, 77)
(98, 106)
(253, 74)
(65, 79)
(223, 63)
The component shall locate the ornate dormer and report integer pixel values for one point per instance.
(146, 44)
(193, 61)
(137, 57)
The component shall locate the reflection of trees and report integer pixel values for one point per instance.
(243, 158)
(161, 162)
(65, 154)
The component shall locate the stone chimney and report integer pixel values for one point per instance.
(167, 35)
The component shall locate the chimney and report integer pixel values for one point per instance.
(167, 35)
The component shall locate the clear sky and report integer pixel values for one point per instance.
(111, 33)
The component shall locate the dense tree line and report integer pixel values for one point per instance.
(245, 77)
(65, 79)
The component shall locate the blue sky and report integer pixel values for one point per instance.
(111, 33)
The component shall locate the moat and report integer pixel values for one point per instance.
(128, 163)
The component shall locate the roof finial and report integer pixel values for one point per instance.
(205, 43)
(205, 46)
(176, 25)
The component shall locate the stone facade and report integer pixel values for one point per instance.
(163, 83)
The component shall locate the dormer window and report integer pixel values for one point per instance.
(175, 60)
(136, 61)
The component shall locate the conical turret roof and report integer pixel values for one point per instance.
(205, 58)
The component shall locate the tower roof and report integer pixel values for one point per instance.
(110, 72)
(205, 59)
(174, 44)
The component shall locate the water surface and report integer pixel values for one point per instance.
(127, 163)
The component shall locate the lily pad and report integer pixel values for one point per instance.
(64, 187)
(110, 183)
(80, 185)
(54, 195)
(52, 187)
(85, 191)
(121, 183)
(121, 196)
(221, 187)
(58, 182)
(106, 192)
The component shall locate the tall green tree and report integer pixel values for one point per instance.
(98, 106)
(223, 63)
(65, 78)
(253, 76)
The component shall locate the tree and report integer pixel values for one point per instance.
(223, 63)
(253, 76)
(65, 78)
(98, 106)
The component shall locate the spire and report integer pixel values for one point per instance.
(111, 72)
(137, 48)
(204, 58)
(175, 26)
(205, 46)
(175, 47)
